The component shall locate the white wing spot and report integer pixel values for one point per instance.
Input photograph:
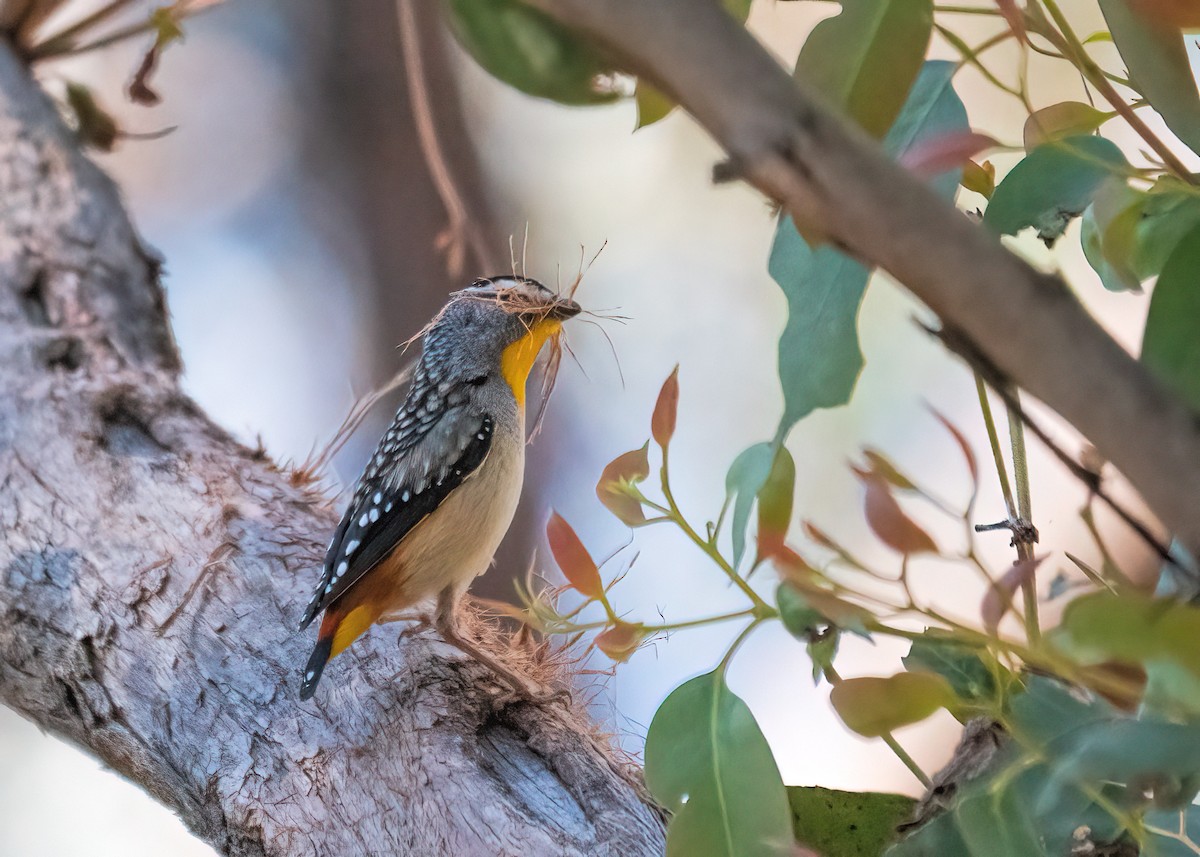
(480, 436)
(351, 547)
(404, 497)
(374, 514)
(362, 522)
(341, 569)
(308, 676)
(378, 498)
(388, 507)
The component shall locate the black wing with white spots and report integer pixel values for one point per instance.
(434, 444)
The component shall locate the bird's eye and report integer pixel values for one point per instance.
(477, 381)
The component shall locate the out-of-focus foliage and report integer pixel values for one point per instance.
(1097, 720)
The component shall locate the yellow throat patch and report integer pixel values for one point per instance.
(516, 361)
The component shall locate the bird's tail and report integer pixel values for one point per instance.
(338, 630)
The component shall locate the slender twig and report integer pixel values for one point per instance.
(961, 345)
(1073, 48)
(462, 231)
(677, 516)
(1021, 538)
(989, 423)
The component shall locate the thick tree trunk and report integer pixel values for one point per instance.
(152, 571)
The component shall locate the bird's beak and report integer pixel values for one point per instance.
(564, 308)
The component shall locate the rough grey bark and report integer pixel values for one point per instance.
(152, 571)
(782, 138)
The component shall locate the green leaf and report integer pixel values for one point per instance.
(874, 706)
(1158, 634)
(866, 59)
(996, 823)
(805, 609)
(746, 477)
(1148, 756)
(1155, 54)
(847, 824)
(1047, 710)
(530, 51)
(1052, 185)
(1170, 212)
(775, 503)
(970, 677)
(708, 763)
(1170, 345)
(652, 105)
(819, 355)
(1058, 121)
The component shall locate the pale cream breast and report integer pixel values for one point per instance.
(458, 541)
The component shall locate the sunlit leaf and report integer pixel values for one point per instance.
(980, 178)
(530, 51)
(1158, 65)
(708, 763)
(998, 599)
(1053, 184)
(819, 355)
(746, 477)
(866, 59)
(662, 423)
(623, 472)
(888, 521)
(620, 640)
(1109, 234)
(1170, 345)
(775, 503)
(847, 824)
(875, 706)
(573, 558)
(1058, 121)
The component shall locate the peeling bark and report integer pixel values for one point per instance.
(152, 571)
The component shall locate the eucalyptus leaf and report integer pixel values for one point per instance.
(746, 477)
(1155, 54)
(819, 355)
(530, 51)
(847, 824)
(866, 59)
(708, 763)
(971, 679)
(1170, 346)
(1052, 185)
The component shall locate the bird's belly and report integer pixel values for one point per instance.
(459, 539)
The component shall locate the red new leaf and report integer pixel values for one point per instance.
(999, 598)
(573, 558)
(622, 472)
(888, 521)
(662, 423)
(620, 640)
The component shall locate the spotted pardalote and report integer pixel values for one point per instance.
(440, 491)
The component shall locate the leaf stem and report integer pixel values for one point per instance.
(1074, 50)
(833, 677)
(994, 440)
(1016, 432)
(761, 608)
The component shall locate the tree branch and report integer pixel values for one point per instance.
(152, 571)
(785, 141)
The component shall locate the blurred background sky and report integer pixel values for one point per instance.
(297, 222)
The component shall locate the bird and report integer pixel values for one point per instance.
(439, 494)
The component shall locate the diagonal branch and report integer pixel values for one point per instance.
(152, 569)
(785, 141)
